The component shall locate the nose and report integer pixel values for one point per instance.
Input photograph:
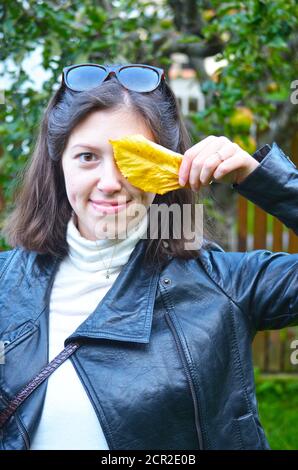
(109, 180)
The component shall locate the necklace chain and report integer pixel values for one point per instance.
(107, 275)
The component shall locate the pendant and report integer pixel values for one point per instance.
(107, 276)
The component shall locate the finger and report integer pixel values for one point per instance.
(189, 156)
(195, 149)
(234, 163)
(208, 167)
(223, 153)
(205, 148)
(211, 145)
(227, 150)
(207, 160)
(195, 171)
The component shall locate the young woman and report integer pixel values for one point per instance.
(158, 338)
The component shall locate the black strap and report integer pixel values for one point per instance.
(45, 372)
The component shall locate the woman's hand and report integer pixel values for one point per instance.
(213, 159)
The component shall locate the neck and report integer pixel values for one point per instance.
(103, 254)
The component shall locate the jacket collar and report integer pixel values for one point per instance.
(125, 313)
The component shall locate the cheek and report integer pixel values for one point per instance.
(74, 188)
(69, 186)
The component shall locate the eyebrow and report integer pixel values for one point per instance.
(87, 146)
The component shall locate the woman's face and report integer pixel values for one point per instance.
(93, 181)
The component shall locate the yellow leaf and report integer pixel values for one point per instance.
(147, 165)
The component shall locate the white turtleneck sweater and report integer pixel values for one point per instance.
(68, 418)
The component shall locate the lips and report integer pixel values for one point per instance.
(107, 203)
(108, 207)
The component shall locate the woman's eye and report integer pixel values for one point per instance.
(86, 157)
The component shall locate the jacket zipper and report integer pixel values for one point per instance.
(20, 425)
(105, 431)
(192, 389)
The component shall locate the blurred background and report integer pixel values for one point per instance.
(234, 68)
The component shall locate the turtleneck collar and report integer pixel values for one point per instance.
(99, 255)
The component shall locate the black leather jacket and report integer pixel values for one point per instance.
(165, 358)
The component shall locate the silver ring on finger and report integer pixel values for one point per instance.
(220, 156)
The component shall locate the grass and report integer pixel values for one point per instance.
(278, 408)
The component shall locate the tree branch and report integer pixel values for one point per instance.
(174, 43)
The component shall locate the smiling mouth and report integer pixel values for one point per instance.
(102, 203)
(109, 208)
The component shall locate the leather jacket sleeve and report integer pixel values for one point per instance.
(264, 284)
(273, 185)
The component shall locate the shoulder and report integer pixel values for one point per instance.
(216, 261)
(233, 271)
(16, 257)
(5, 258)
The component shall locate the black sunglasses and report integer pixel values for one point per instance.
(135, 77)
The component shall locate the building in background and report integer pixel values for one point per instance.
(185, 85)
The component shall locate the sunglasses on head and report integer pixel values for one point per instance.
(135, 77)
